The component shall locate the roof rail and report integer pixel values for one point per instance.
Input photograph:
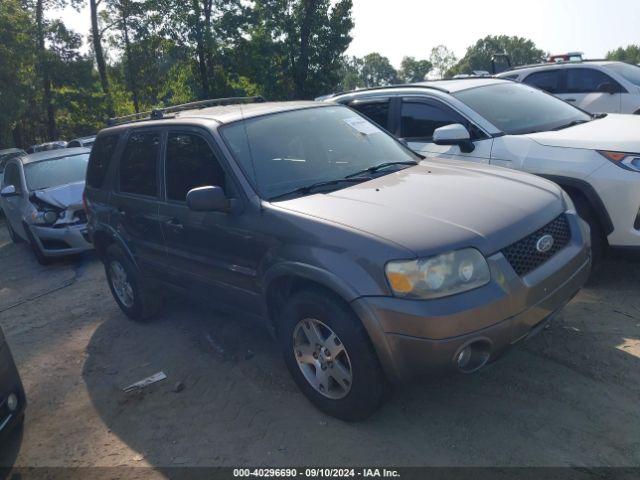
(159, 113)
(385, 87)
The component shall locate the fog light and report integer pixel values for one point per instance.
(463, 357)
(12, 402)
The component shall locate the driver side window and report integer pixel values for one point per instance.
(420, 118)
(12, 177)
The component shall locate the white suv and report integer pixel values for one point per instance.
(595, 158)
(594, 86)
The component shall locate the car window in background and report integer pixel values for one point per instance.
(12, 177)
(284, 151)
(547, 80)
(517, 109)
(139, 164)
(101, 157)
(586, 80)
(375, 110)
(56, 172)
(419, 119)
(190, 163)
(630, 73)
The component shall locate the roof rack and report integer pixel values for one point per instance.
(385, 87)
(160, 113)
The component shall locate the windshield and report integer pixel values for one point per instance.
(631, 73)
(286, 151)
(517, 109)
(56, 172)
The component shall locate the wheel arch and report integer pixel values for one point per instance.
(102, 238)
(575, 186)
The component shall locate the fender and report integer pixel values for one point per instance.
(310, 272)
(591, 195)
(115, 237)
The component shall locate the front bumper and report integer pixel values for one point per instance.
(9, 383)
(418, 337)
(61, 241)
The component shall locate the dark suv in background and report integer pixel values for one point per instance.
(368, 267)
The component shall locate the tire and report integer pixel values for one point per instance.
(319, 311)
(131, 291)
(12, 234)
(35, 248)
(598, 238)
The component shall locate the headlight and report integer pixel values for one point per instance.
(568, 203)
(630, 161)
(48, 217)
(439, 276)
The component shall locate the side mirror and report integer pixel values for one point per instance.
(208, 199)
(8, 191)
(454, 134)
(608, 87)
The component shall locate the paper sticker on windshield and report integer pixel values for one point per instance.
(362, 126)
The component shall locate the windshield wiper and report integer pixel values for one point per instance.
(375, 168)
(571, 124)
(314, 186)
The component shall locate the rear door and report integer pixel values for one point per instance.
(584, 87)
(213, 254)
(135, 199)
(420, 116)
(376, 109)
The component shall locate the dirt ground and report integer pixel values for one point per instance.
(570, 396)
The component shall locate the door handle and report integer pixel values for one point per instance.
(571, 100)
(175, 224)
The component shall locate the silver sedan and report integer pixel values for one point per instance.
(41, 197)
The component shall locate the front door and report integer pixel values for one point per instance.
(420, 117)
(584, 88)
(12, 206)
(135, 200)
(213, 254)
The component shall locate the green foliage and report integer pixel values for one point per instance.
(412, 70)
(520, 50)
(377, 70)
(630, 54)
(442, 59)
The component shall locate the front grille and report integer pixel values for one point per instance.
(524, 256)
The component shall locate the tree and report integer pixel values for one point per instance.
(412, 70)
(97, 34)
(442, 59)
(520, 50)
(17, 62)
(630, 54)
(377, 71)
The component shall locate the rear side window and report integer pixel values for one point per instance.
(190, 163)
(139, 164)
(100, 159)
(548, 80)
(586, 80)
(419, 119)
(377, 111)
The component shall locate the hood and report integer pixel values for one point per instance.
(620, 133)
(431, 208)
(63, 196)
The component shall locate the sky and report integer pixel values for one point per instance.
(395, 28)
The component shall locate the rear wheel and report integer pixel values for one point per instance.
(330, 356)
(131, 291)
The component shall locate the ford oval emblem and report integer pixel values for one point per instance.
(544, 243)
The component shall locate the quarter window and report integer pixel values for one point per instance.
(586, 80)
(100, 159)
(419, 119)
(138, 165)
(377, 111)
(548, 80)
(190, 163)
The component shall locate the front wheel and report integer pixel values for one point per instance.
(330, 356)
(598, 237)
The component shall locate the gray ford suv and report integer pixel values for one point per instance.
(367, 267)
